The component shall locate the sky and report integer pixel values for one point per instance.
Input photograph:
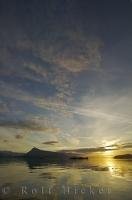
(65, 74)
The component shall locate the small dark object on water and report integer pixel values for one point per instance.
(80, 158)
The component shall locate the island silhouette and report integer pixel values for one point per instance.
(124, 156)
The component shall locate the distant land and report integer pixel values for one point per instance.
(10, 154)
(40, 154)
(36, 153)
(124, 156)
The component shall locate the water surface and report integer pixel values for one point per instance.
(102, 178)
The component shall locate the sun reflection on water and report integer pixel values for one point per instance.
(118, 168)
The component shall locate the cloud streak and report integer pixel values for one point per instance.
(56, 105)
(77, 52)
(50, 142)
(74, 52)
(101, 149)
(121, 146)
(28, 126)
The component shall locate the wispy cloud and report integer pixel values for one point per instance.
(102, 149)
(60, 106)
(29, 126)
(76, 52)
(88, 150)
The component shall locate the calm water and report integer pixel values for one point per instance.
(103, 179)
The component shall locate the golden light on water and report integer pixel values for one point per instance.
(111, 165)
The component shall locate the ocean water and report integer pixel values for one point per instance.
(95, 178)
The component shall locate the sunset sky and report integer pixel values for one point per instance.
(66, 75)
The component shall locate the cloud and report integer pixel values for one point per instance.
(5, 141)
(121, 145)
(75, 52)
(29, 126)
(87, 150)
(50, 142)
(37, 69)
(113, 147)
(126, 145)
(19, 136)
(95, 109)
(65, 45)
(3, 107)
(37, 73)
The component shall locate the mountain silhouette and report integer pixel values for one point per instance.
(37, 153)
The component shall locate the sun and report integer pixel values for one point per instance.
(109, 153)
(110, 145)
(109, 148)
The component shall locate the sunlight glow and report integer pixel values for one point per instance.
(111, 166)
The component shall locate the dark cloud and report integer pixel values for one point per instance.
(121, 145)
(3, 107)
(50, 142)
(5, 141)
(88, 150)
(101, 149)
(127, 145)
(19, 136)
